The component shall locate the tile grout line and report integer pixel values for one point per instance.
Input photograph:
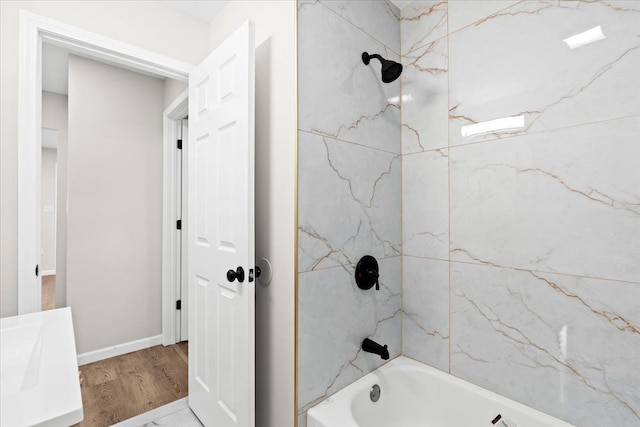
(524, 134)
(506, 267)
(558, 129)
(346, 265)
(401, 195)
(347, 141)
(449, 184)
(472, 24)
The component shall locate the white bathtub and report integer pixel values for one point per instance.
(39, 384)
(416, 395)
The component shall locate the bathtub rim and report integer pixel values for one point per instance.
(342, 400)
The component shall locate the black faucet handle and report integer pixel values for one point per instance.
(367, 273)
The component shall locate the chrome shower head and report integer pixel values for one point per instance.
(391, 70)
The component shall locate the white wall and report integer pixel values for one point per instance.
(114, 225)
(146, 24)
(275, 197)
(48, 218)
(55, 116)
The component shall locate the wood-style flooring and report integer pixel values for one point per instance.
(48, 292)
(125, 386)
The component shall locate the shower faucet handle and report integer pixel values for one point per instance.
(367, 273)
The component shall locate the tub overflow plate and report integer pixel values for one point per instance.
(374, 393)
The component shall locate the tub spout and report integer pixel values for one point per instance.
(371, 346)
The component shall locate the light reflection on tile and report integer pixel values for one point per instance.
(340, 96)
(532, 72)
(425, 86)
(563, 201)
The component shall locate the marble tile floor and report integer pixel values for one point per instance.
(177, 414)
(181, 418)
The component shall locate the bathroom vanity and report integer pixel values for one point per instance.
(39, 370)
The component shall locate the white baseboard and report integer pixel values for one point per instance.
(117, 350)
(48, 273)
(154, 414)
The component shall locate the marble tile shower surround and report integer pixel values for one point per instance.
(340, 97)
(425, 311)
(533, 73)
(425, 204)
(521, 261)
(567, 344)
(349, 193)
(344, 211)
(565, 201)
(334, 317)
(518, 251)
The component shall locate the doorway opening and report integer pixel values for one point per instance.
(220, 173)
(39, 277)
(38, 30)
(49, 196)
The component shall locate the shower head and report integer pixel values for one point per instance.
(391, 70)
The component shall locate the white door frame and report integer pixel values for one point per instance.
(173, 266)
(34, 30)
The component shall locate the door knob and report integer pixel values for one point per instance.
(238, 274)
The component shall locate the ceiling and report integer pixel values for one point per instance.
(202, 10)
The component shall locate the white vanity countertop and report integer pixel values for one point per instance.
(39, 370)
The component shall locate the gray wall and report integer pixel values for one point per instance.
(55, 116)
(521, 266)
(48, 219)
(348, 193)
(114, 232)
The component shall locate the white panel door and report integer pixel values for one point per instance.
(221, 234)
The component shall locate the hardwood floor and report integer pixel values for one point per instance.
(125, 386)
(48, 292)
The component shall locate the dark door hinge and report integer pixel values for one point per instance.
(179, 224)
(37, 269)
(179, 144)
(179, 304)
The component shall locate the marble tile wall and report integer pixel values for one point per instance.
(349, 194)
(521, 250)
